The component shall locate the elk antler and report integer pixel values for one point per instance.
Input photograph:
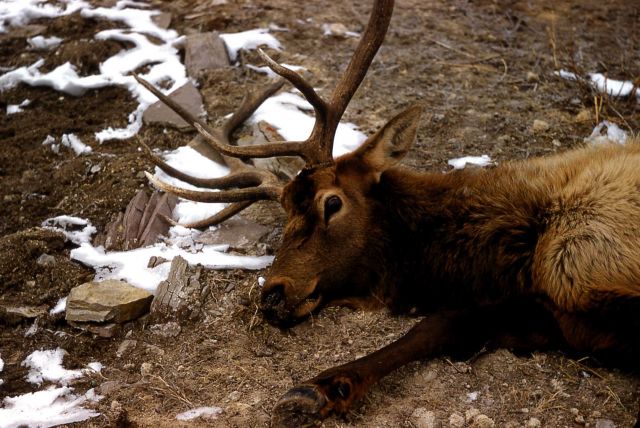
(246, 183)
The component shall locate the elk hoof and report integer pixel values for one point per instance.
(300, 407)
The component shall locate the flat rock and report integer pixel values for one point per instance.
(237, 232)
(107, 330)
(107, 301)
(142, 223)
(162, 20)
(205, 51)
(187, 96)
(15, 314)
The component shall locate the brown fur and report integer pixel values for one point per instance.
(534, 253)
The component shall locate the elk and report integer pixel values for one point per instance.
(534, 254)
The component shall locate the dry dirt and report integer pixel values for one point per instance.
(484, 69)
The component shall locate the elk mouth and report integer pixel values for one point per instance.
(308, 305)
(284, 311)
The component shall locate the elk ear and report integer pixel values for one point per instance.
(390, 144)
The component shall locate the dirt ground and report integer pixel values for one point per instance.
(485, 71)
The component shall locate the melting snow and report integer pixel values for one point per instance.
(74, 143)
(47, 366)
(47, 408)
(75, 229)
(460, 163)
(616, 88)
(60, 307)
(613, 135)
(44, 43)
(204, 412)
(17, 108)
(249, 40)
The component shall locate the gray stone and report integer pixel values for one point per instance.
(204, 51)
(107, 301)
(46, 260)
(162, 20)
(109, 387)
(16, 314)
(237, 232)
(187, 96)
(142, 223)
(107, 330)
(170, 329)
(125, 347)
(423, 418)
(540, 126)
(605, 423)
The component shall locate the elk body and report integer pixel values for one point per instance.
(535, 254)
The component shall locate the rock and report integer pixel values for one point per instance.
(182, 294)
(16, 314)
(109, 387)
(423, 418)
(456, 420)
(204, 51)
(532, 77)
(337, 29)
(125, 347)
(107, 301)
(23, 32)
(584, 115)
(540, 126)
(46, 260)
(470, 414)
(146, 369)
(142, 223)
(187, 96)
(170, 329)
(579, 419)
(162, 20)
(155, 261)
(482, 421)
(103, 330)
(237, 232)
(605, 423)
(533, 423)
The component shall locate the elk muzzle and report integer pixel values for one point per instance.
(285, 303)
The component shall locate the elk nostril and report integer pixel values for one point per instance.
(274, 296)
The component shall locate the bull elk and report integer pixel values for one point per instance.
(535, 254)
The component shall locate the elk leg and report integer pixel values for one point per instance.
(456, 333)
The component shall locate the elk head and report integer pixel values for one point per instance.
(331, 226)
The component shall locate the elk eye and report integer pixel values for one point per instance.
(331, 206)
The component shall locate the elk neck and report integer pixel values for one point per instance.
(456, 239)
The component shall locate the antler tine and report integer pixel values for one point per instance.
(319, 146)
(248, 184)
(319, 105)
(217, 140)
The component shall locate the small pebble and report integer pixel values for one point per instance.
(456, 420)
(483, 421)
(534, 423)
(423, 418)
(540, 126)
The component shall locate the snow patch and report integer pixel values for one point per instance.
(74, 143)
(459, 163)
(285, 112)
(131, 265)
(75, 229)
(46, 366)
(250, 39)
(47, 408)
(614, 134)
(17, 108)
(60, 307)
(44, 43)
(615, 88)
(199, 412)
